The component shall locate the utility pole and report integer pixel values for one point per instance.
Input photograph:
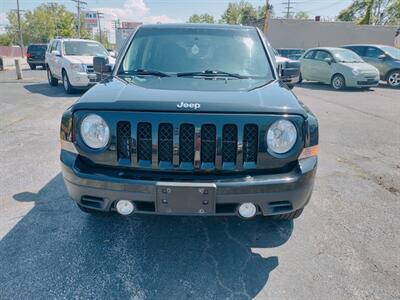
(289, 7)
(266, 20)
(99, 15)
(78, 14)
(21, 41)
(379, 13)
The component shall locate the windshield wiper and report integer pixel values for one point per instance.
(145, 72)
(211, 73)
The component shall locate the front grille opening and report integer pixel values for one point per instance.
(229, 143)
(89, 201)
(226, 208)
(145, 206)
(208, 143)
(186, 143)
(280, 206)
(144, 141)
(250, 143)
(165, 142)
(124, 140)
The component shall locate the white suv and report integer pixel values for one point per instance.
(71, 60)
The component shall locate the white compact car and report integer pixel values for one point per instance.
(71, 60)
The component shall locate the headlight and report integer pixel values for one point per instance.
(355, 72)
(95, 132)
(78, 67)
(281, 136)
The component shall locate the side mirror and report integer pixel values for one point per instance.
(382, 56)
(56, 52)
(101, 65)
(328, 60)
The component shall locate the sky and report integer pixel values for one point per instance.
(171, 11)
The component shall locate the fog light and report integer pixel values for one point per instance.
(125, 207)
(247, 210)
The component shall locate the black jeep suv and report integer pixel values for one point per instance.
(191, 120)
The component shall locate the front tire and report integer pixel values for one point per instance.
(32, 66)
(288, 216)
(66, 84)
(52, 81)
(338, 82)
(393, 79)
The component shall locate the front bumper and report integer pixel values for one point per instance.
(101, 188)
(82, 79)
(363, 81)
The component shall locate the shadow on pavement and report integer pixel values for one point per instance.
(50, 91)
(326, 87)
(57, 251)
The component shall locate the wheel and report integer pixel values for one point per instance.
(393, 78)
(66, 84)
(338, 82)
(44, 67)
(52, 81)
(32, 66)
(290, 86)
(288, 216)
(88, 210)
(300, 78)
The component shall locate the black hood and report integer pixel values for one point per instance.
(214, 96)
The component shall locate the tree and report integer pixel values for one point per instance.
(240, 13)
(5, 40)
(372, 12)
(301, 15)
(44, 23)
(203, 18)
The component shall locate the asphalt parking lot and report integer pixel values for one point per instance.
(344, 246)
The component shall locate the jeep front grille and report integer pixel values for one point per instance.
(188, 146)
(144, 138)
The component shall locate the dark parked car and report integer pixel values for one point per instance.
(291, 53)
(35, 55)
(385, 58)
(193, 121)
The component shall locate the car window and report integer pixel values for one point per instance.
(309, 55)
(53, 46)
(322, 55)
(81, 48)
(357, 49)
(180, 50)
(58, 47)
(392, 51)
(373, 52)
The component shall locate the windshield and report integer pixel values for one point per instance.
(346, 56)
(215, 52)
(83, 48)
(393, 52)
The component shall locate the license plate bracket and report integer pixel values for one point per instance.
(186, 198)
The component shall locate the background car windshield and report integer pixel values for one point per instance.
(84, 49)
(179, 50)
(346, 56)
(393, 52)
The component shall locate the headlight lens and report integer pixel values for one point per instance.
(281, 136)
(355, 72)
(78, 67)
(95, 132)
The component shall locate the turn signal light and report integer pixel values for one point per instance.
(309, 152)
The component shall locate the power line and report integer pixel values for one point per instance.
(289, 8)
(21, 41)
(78, 15)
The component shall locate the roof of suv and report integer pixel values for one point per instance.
(366, 45)
(197, 25)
